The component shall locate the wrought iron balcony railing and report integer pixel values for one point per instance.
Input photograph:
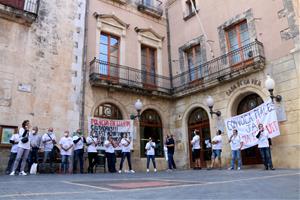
(29, 6)
(246, 59)
(151, 7)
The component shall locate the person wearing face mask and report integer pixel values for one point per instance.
(35, 142)
(125, 145)
(48, 142)
(92, 143)
(264, 143)
(150, 147)
(78, 141)
(14, 140)
(110, 146)
(66, 145)
(236, 145)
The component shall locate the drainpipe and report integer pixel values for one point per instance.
(169, 50)
(84, 57)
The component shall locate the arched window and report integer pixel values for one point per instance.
(151, 126)
(108, 111)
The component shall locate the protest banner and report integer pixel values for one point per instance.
(247, 123)
(104, 127)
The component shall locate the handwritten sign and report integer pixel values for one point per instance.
(116, 128)
(247, 123)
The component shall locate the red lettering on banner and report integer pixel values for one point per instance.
(272, 127)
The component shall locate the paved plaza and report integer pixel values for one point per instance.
(187, 184)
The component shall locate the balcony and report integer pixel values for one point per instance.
(21, 11)
(150, 7)
(242, 61)
(131, 79)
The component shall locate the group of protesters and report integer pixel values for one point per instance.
(236, 144)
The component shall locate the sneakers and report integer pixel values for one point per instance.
(120, 171)
(12, 173)
(155, 170)
(230, 168)
(169, 170)
(238, 168)
(132, 171)
(22, 173)
(147, 170)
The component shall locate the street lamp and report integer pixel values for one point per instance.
(138, 105)
(270, 85)
(210, 103)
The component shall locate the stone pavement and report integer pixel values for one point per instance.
(187, 184)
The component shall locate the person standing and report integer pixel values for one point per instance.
(150, 147)
(125, 145)
(110, 146)
(170, 144)
(236, 145)
(216, 150)
(35, 143)
(14, 140)
(196, 149)
(78, 141)
(92, 143)
(66, 145)
(23, 148)
(49, 140)
(264, 147)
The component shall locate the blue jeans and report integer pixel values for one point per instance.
(152, 157)
(171, 162)
(65, 163)
(78, 155)
(11, 161)
(236, 154)
(127, 155)
(266, 157)
(49, 154)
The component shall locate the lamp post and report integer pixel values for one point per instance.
(270, 85)
(210, 103)
(138, 105)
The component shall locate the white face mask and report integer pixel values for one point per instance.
(66, 135)
(94, 135)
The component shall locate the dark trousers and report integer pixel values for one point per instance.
(65, 163)
(125, 155)
(12, 158)
(33, 157)
(78, 155)
(111, 162)
(50, 155)
(93, 160)
(266, 157)
(171, 162)
(152, 157)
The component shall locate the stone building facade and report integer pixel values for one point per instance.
(41, 51)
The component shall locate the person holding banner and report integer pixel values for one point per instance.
(110, 146)
(236, 145)
(196, 149)
(150, 147)
(125, 145)
(216, 150)
(264, 147)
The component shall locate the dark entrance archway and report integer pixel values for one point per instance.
(199, 120)
(251, 155)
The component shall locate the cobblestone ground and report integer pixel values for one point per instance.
(188, 184)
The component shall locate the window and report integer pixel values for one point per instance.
(109, 55)
(148, 60)
(237, 37)
(189, 6)
(5, 134)
(19, 4)
(151, 126)
(194, 59)
(108, 111)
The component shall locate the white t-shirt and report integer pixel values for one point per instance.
(79, 144)
(235, 143)
(196, 142)
(16, 139)
(66, 142)
(92, 148)
(21, 144)
(219, 144)
(123, 143)
(109, 148)
(48, 146)
(150, 148)
(263, 140)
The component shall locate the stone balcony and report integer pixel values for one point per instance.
(150, 7)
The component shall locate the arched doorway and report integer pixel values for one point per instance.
(199, 120)
(151, 126)
(108, 111)
(250, 156)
